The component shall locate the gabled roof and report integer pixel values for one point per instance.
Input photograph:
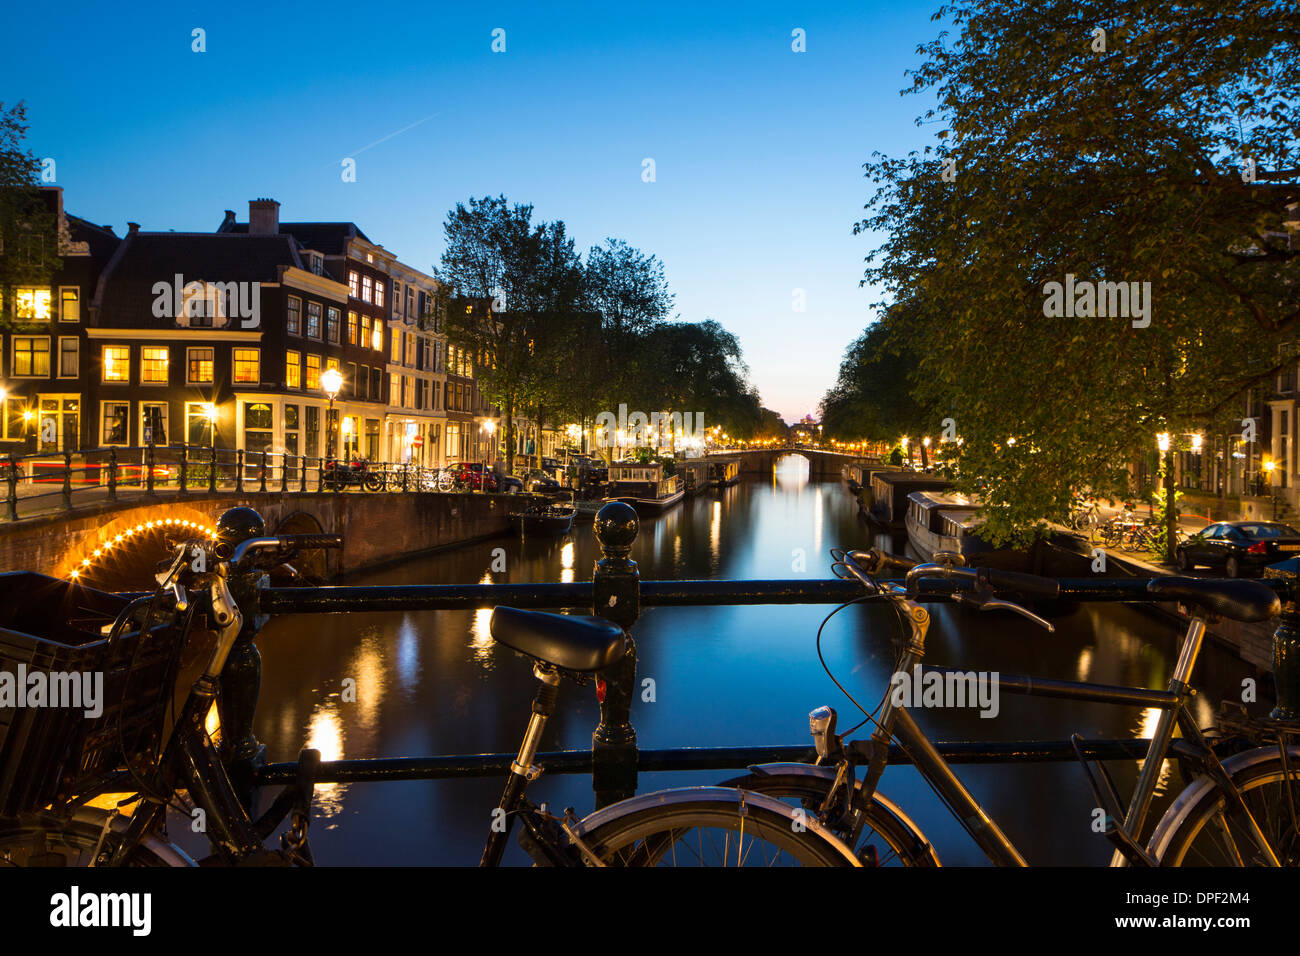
(145, 258)
(329, 238)
(101, 239)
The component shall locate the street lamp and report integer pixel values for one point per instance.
(490, 427)
(331, 382)
(210, 412)
(1269, 466)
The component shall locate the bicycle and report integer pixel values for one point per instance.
(50, 823)
(1085, 515)
(1238, 810)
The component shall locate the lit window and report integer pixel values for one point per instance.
(116, 417)
(353, 281)
(378, 344)
(332, 324)
(293, 318)
(200, 367)
(70, 303)
(313, 320)
(313, 372)
(117, 363)
(68, 357)
(31, 356)
(367, 289)
(292, 369)
(153, 365)
(352, 328)
(379, 292)
(247, 365)
(33, 303)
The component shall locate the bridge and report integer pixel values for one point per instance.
(822, 464)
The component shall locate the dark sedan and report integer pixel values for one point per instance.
(1239, 546)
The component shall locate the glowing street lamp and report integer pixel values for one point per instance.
(1163, 441)
(331, 382)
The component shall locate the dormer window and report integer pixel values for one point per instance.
(317, 264)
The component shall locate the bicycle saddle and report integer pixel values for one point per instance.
(569, 641)
(1239, 600)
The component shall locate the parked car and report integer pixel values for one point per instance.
(540, 482)
(1238, 547)
(472, 475)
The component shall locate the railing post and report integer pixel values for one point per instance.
(302, 469)
(320, 474)
(262, 486)
(12, 494)
(148, 468)
(239, 470)
(284, 472)
(67, 480)
(112, 474)
(212, 469)
(185, 464)
(1286, 656)
(616, 593)
(405, 473)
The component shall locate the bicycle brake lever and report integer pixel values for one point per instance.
(997, 604)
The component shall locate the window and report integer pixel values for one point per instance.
(313, 320)
(199, 366)
(292, 369)
(311, 420)
(396, 339)
(69, 353)
(379, 292)
(353, 281)
(33, 303)
(332, 325)
(394, 388)
(247, 366)
(350, 386)
(367, 289)
(153, 365)
(117, 363)
(365, 332)
(313, 372)
(410, 305)
(199, 421)
(410, 350)
(363, 383)
(31, 356)
(257, 429)
(377, 384)
(116, 417)
(332, 363)
(153, 423)
(69, 303)
(352, 328)
(378, 344)
(397, 297)
(317, 264)
(293, 317)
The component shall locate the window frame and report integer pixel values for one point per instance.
(167, 365)
(289, 311)
(75, 289)
(103, 365)
(103, 423)
(31, 356)
(189, 350)
(234, 365)
(76, 341)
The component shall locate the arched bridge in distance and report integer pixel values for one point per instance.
(759, 462)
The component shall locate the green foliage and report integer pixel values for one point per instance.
(1122, 165)
(28, 230)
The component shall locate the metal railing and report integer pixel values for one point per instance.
(42, 483)
(617, 593)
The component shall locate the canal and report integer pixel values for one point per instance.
(434, 682)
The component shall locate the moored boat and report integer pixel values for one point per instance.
(725, 473)
(942, 522)
(545, 519)
(644, 486)
(887, 504)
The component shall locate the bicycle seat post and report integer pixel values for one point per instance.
(522, 769)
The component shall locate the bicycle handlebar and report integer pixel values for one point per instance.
(284, 542)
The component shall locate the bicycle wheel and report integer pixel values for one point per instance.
(1199, 830)
(709, 826)
(1131, 541)
(887, 836)
(373, 481)
(1110, 535)
(49, 840)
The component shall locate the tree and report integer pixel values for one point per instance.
(1089, 141)
(507, 277)
(28, 230)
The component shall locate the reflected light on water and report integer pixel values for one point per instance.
(715, 535)
(480, 631)
(408, 655)
(326, 735)
(566, 563)
(791, 472)
(1146, 729)
(368, 669)
(817, 520)
(1085, 664)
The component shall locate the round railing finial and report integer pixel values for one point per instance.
(616, 528)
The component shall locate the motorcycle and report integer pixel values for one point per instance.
(341, 475)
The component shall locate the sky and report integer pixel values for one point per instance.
(757, 149)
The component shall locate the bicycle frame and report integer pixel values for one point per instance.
(896, 723)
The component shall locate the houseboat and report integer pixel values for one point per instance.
(545, 518)
(942, 522)
(887, 504)
(723, 474)
(644, 486)
(695, 475)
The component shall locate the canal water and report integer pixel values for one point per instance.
(435, 683)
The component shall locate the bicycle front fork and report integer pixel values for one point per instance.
(522, 771)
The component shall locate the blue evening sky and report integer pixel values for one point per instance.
(758, 150)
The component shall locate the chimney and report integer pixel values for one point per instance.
(132, 228)
(263, 217)
(229, 220)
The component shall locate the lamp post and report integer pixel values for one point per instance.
(331, 382)
(490, 427)
(1164, 442)
(1269, 466)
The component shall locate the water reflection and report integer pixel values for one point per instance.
(433, 682)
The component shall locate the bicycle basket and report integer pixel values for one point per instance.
(54, 637)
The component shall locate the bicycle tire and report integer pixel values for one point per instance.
(1184, 836)
(373, 482)
(49, 840)
(656, 830)
(907, 845)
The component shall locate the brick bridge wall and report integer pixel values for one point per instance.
(376, 528)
